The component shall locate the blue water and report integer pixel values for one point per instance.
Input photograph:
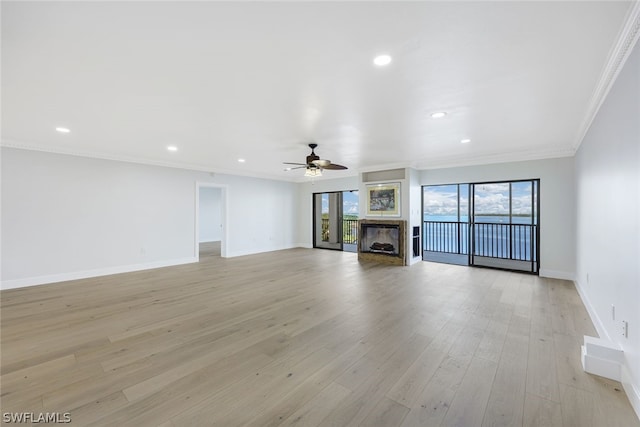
(493, 219)
(494, 236)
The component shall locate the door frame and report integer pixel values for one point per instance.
(340, 217)
(471, 240)
(223, 214)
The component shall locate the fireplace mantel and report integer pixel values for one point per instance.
(382, 240)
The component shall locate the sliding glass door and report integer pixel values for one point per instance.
(483, 224)
(335, 220)
(504, 225)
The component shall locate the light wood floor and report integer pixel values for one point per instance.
(305, 337)
(209, 250)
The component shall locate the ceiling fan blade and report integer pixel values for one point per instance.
(333, 166)
(314, 163)
(321, 163)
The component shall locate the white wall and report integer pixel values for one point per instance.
(210, 215)
(557, 209)
(66, 217)
(608, 219)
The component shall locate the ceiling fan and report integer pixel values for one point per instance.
(314, 165)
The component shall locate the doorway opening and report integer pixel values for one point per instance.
(210, 229)
(335, 220)
(493, 224)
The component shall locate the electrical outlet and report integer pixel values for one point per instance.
(625, 329)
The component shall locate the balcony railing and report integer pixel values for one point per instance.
(496, 240)
(349, 231)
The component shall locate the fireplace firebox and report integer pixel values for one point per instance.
(382, 241)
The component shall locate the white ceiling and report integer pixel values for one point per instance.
(225, 80)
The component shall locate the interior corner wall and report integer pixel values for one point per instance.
(66, 217)
(608, 219)
(210, 215)
(557, 207)
(415, 213)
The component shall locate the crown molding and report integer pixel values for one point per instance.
(386, 166)
(492, 158)
(4, 143)
(621, 50)
(439, 162)
(297, 179)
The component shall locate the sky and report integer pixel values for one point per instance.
(442, 199)
(349, 203)
(489, 199)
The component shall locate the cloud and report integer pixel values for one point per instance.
(486, 189)
(521, 205)
(492, 199)
(349, 204)
(440, 201)
(350, 207)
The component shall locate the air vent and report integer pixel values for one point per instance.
(388, 175)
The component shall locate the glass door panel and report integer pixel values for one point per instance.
(350, 212)
(505, 225)
(335, 220)
(328, 220)
(446, 223)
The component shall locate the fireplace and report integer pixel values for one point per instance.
(382, 241)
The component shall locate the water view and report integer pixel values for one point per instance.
(504, 222)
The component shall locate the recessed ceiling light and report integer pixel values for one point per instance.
(438, 115)
(172, 148)
(63, 130)
(382, 60)
(241, 160)
(464, 141)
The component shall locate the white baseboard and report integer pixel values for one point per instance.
(556, 274)
(414, 260)
(85, 274)
(597, 322)
(231, 254)
(632, 390)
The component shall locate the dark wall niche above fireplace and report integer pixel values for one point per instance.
(382, 241)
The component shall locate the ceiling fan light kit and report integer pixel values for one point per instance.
(313, 172)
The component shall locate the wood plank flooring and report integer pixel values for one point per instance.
(304, 337)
